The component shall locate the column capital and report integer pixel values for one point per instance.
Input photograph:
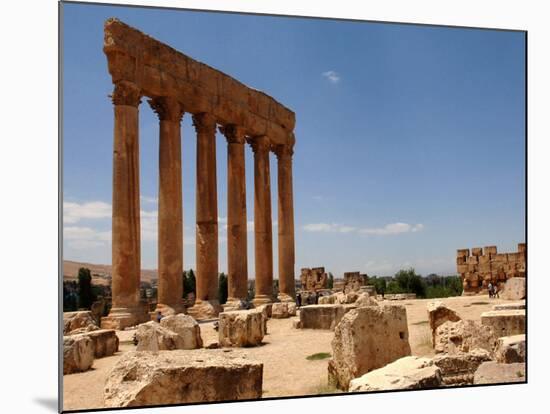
(204, 123)
(283, 150)
(260, 144)
(126, 93)
(167, 108)
(234, 134)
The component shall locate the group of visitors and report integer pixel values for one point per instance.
(493, 290)
(308, 300)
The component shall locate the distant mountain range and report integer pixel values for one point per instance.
(70, 271)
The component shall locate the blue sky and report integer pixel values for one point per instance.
(409, 139)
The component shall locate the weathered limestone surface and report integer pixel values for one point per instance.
(463, 336)
(78, 353)
(142, 378)
(105, 342)
(322, 316)
(281, 310)
(495, 373)
(236, 215)
(367, 338)
(346, 298)
(263, 247)
(365, 299)
(459, 368)
(78, 322)
(505, 323)
(160, 70)
(327, 300)
(509, 306)
(186, 327)
(354, 281)
(170, 210)
(438, 314)
(153, 337)
(313, 279)
(408, 373)
(514, 289)
(510, 349)
(241, 328)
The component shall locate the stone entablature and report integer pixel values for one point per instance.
(159, 70)
(481, 266)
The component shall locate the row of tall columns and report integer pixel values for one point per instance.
(126, 308)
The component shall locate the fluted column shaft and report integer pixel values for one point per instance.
(206, 209)
(126, 257)
(262, 222)
(170, 213)
(286, 222)
(236, 214)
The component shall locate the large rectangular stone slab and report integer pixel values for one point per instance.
(241, 328)
(505, 323)
(323, 316)
(182, 376)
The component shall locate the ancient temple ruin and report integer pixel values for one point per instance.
(480, 267)
(175, 84)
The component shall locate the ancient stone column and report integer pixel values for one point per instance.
(170, 213)
(286, 222)
(125, 310)
(236, 217)
(262, 222)
(207, 303)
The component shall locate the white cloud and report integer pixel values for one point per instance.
(388, 229)
(85, 237)
(147, 199)
(393, 228)
(74, 212)
(332, 76)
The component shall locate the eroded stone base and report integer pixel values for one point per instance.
(261, 300)
(121, 318)
(203, 309)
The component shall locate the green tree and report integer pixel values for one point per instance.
(189, 282)
(410, 282)
(330, 282)
(222, 288)
(379, 284)
(85, 293)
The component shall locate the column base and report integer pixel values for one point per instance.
(121, 318)
(166, 310)
(233, 304)
(260, 300)
(205, 309)
(285, 297)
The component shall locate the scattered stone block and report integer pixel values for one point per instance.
(327, 300)
(105, 342)
(186, 327)
(177, 377)
(365, 299)
(367, 338)
(509, 306)
(492, 372)
(78, 353)
(322, 316)
(282, 310)
(459, 368)
(510, 349)
(514, 289)
(505, 323)
(438, 314)
(153, 337)
(241, 328)
(408, 373)
(78, 322)
(463, 336)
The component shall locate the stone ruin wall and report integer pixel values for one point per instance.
(313, 279)
(353, 281)
(480, 267)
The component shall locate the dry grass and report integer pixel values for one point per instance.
(318, 356)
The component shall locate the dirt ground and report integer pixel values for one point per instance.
(286, 370)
